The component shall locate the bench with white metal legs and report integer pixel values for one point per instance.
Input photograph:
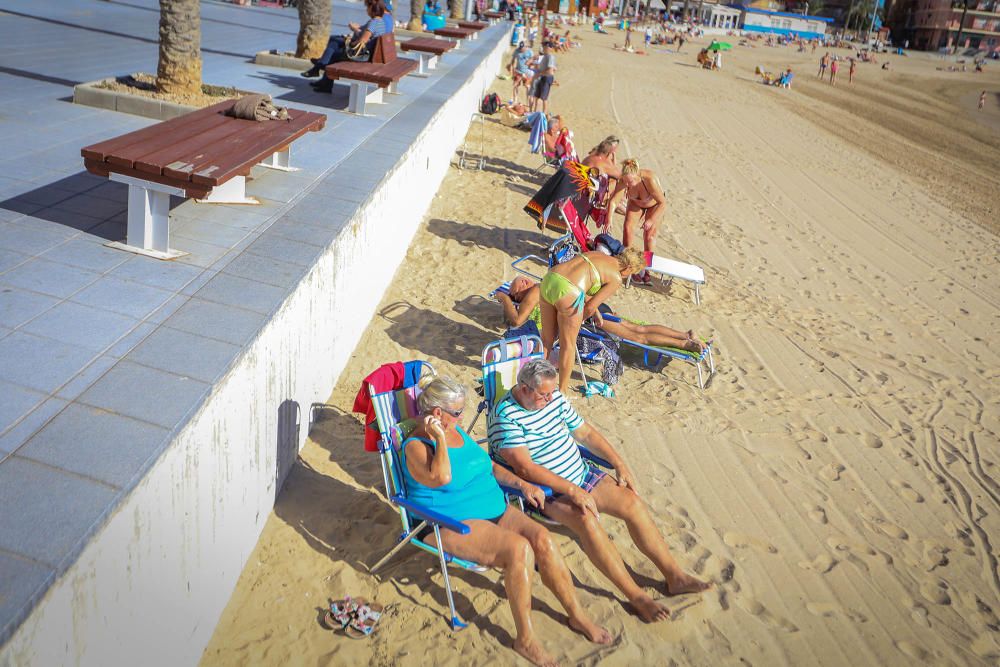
(148, 228)
(428, 61)
(362, 93)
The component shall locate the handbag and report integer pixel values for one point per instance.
(359, 53)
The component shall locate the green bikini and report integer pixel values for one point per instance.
(556, 286)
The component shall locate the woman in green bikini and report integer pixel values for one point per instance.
(571, 292)
(520, 304)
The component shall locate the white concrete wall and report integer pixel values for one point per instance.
(152, 584)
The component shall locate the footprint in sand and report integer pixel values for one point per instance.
(935, 555)
(872, 440)
(935, 591)
(832, 471)
(880, 525)
(759, 611)
(829, 609)
(918, 612)
(912, 650)
(815, 512)
(741, 541)
(905, 491)
(821, 564)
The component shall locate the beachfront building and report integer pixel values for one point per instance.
(936, 24)
(714, 15)
(784, 23)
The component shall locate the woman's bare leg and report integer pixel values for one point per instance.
(649, 229)
(555, 575)
(569, 327)
(550, 326)
(632, 216)
(653, 334)
(493, 546)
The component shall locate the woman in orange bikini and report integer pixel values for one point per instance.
(645, 203)
(571, 292)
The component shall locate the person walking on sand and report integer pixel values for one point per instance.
(851, 70)
(982, 100)
(834, 66)
(680, 42)
(628, 36)
(823, 62)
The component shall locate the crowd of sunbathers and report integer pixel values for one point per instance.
(533, 430)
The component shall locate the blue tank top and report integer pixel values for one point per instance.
(472, 493)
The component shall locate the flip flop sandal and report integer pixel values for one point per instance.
(365, 621)
(342, 612)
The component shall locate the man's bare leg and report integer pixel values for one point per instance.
(625, 504)
(602, 553)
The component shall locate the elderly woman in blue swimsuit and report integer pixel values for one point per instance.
(572, 291)
(446, 470)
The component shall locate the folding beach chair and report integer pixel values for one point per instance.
(392, 411)
(502, 360)
(564, 150)
(666, 269)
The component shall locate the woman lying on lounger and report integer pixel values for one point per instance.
(520, 304)
(571, 293)
(446, 470)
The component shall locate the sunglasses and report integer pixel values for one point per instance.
(546, 396)
(454, 413)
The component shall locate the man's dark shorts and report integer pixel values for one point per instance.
(543, 84)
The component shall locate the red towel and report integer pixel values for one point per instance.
(384, 378)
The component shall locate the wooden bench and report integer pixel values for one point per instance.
(475, 26)
(494, 17)
(428, 50)
(367, 79)
(204, 154)
(456, 34)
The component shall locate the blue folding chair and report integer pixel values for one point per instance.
(394, 412)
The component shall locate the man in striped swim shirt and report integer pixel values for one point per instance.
(534, 430)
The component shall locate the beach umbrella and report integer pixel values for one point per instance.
(720, 46)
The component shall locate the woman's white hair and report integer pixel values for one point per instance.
(441, 392)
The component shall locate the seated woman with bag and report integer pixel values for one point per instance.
(356, 46)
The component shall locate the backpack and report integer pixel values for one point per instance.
(490, 104)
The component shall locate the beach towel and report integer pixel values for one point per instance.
(386, 378)
(539, 126)
(572, 179)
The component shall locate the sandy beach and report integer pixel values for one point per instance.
(835, 481)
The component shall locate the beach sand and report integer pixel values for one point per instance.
(836, 479)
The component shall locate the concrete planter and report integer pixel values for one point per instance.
(91, 95)
(281, 59)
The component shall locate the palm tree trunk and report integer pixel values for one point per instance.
(314, 27)
(179, 68)
(416, 11)
(687, 10)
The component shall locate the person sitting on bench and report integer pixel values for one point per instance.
(380, 23)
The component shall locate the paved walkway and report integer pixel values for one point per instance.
(104, 355)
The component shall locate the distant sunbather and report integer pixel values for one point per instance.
(521, 303)
(445, 469)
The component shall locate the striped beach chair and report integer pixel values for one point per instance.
(395, 412)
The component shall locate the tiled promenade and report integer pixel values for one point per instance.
(104, 355)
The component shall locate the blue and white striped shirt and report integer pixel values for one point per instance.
(545, 432)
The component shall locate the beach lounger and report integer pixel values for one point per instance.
(393, 409)
(667, 269)
(652, 355)
(564, 150)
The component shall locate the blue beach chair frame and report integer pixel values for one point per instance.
(391, 408)
(501, 361)
(651, 355)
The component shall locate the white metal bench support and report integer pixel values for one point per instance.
(148, 230)
(393, 88)
(280, 160)
(428, 61)
(362, 93)
(233, 191)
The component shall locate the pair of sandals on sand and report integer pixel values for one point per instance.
(355, 616)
